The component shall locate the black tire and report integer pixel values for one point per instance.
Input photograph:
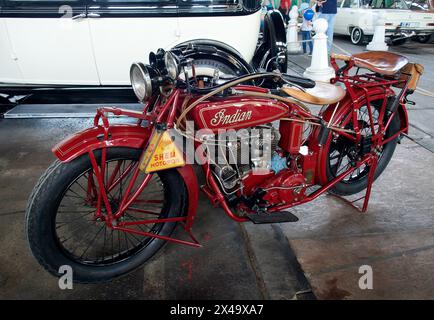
(216, 63)
(5, 104)
(207, 49)
(211, 56)
(357, 36)
(273, 43)
(43, 207)
(399, 42)
(423, 39)
(360, 182)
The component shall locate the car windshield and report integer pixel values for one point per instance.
(388, 4)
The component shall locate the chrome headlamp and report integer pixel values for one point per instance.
(141, 81)
(172, 65)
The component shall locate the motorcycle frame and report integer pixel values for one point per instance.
(165, 108)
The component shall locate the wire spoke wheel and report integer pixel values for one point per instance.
(63, 228)
(357, 36)
(90, 240)
(343, 153)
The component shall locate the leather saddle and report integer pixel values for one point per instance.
(322, 93)
(386, 63)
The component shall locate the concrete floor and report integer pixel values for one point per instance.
(226, 268)
(324, 250)
(396, 237)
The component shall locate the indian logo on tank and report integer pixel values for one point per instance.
(223, 118)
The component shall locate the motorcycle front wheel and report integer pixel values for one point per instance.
(62, 228)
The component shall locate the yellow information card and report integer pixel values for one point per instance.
(161, 154)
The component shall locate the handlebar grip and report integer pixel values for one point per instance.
(342, 57)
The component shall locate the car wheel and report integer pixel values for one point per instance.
(357, 36)
(423, 39)
(5, 104)
(272, 44)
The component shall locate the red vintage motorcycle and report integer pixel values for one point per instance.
(117, 192)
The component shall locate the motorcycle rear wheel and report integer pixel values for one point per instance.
(340, 149)
(57, 215)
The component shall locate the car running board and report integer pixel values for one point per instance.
(274, 217)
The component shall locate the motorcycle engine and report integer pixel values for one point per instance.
(244, 151)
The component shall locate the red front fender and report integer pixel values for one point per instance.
(125, 135)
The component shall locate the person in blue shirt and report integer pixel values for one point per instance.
(306, 27)
(327, 10)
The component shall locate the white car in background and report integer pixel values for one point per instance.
(89, 45)
(94, 42)
(358, 18)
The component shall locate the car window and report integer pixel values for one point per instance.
(209, 2)
(214, 6)
(162, 2)
(42, 2)
(354, 3)
(346, 4)
(212, 1)
(389, 4)
(42, 8)
(339, 3)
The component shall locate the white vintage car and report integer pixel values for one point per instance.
(358, 18)
(94, 42)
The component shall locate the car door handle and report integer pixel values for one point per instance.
(93, 15)
(79, 16)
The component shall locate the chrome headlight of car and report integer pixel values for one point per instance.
(172, 65)
(141, 81)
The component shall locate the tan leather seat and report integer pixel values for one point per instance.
(322, 93)
(386, 63)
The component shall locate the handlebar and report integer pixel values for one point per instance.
(300, 81)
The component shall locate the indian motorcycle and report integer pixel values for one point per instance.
(116, 192)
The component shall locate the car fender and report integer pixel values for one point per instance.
(274, 40)
(213, 49)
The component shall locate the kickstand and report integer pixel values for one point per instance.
(372, 163)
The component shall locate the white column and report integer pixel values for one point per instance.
(378, 42)
(293, 46)
(319, 69)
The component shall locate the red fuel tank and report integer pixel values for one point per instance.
(237, 113)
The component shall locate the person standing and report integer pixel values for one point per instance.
(284, 9)
(327, 10)
(306, 27)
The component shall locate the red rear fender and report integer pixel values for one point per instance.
(342, 110)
